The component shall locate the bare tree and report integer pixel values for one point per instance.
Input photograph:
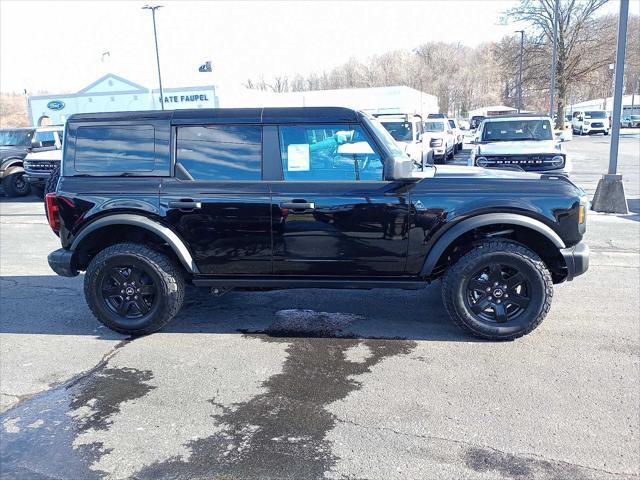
(581, 46)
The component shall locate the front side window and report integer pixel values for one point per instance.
(115, 149)
(221, 152)
(11, 138)
(515, 130)
(400, 131)
(47, 138)
(341, 153)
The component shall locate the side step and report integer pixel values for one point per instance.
(296, 282)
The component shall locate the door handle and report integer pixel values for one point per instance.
(185, 205)
(298, 205)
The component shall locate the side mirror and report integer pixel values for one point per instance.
(400, 169)
(36, 144)
(449, 131)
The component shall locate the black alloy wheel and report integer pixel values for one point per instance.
(128, 291)
(498, 293)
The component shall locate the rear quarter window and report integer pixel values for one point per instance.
(115, 149)
(221, 152)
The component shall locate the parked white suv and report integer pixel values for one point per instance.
(437, 133)
(586, 122)
(457, 133)
(406, 130)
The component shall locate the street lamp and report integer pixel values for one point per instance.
(153, 9)
(521, 32)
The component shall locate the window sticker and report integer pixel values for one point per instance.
(298, 157)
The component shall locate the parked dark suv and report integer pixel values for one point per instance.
(300, 198)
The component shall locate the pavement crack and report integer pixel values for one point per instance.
(521, 455)
(45, 287)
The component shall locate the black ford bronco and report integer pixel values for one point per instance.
(300, 198)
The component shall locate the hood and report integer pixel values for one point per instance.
(12, 151)
(45, 155)
(525, 147)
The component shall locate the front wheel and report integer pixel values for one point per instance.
(133, 289)
(15, 185)
(500, 290)
(52, 181)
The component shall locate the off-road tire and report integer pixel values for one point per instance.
(16, 186)
(457, 277)
(52, 181)
(165, 273)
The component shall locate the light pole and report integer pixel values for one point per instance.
(153, 9)
(609, 196)
(521, 32)
(554, 59)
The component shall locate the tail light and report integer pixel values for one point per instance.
(53, 211)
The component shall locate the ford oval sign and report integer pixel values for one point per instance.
(55, 105)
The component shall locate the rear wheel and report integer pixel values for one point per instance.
(500, 290)
(133, 289)
(15, 185)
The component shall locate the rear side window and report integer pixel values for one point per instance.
(221, 152)
(115, 149)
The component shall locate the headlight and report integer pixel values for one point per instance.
(587, 122)
(482, 161)
(557, 161)
(436, 142)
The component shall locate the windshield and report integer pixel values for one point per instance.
(596, 114)
(400, 131)
(16, 137)
(434, 127)
(514, 130)
(385, 137)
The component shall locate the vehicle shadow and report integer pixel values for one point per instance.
(47, 305)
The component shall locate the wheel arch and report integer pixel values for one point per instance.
(526, 230)
(101, 232)
(12, 165)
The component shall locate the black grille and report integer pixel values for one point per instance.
(526, 162)
(39, 166)
(597, 125)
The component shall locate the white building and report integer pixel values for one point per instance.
(112, 93)
(492, 111)
(394, 99)
(630, 104)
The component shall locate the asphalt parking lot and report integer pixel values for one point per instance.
(322, 383)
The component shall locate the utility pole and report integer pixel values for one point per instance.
(153, 9)
(609, 196)
(521, 32)
(554, 60)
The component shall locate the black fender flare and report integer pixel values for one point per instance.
(168, 235)
(472, 223)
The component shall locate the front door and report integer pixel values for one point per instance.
(217, 201)
(333, 214)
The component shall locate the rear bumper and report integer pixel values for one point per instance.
(61, 262)
(577, 260)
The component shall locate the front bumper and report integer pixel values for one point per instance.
(37, 180)
(61, 262)
(577, 260)
(588, 130)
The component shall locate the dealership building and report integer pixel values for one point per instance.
(112, 93)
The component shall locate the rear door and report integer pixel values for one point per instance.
(217, 201)
(333, 214)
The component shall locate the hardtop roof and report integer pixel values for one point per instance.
(234, 115)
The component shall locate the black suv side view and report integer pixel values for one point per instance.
(300, 198)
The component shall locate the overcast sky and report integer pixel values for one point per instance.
(57, 46)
